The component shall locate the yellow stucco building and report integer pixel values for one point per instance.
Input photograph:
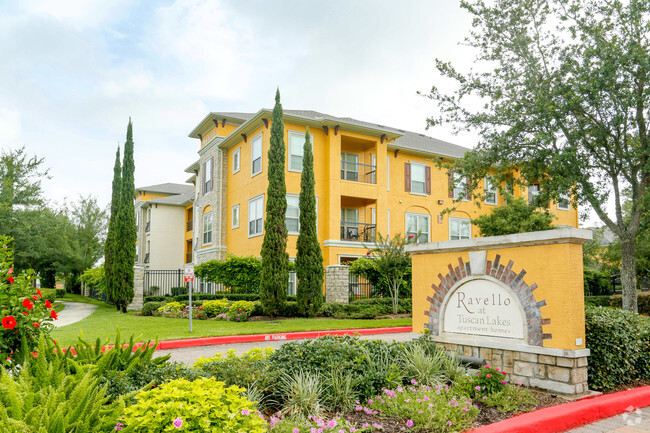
(370, 179)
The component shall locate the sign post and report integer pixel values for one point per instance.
(189, 277)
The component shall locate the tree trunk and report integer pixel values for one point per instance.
(628, 273)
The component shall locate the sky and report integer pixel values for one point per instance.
(76, 70)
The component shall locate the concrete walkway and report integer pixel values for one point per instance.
(634, 421)
(188, 355)
(73, 312)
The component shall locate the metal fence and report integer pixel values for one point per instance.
(172, 283)
(99, 295)
(360, 287)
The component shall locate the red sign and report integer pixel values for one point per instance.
(189, 272)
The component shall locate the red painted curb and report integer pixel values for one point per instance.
(572, 415)
(232, 339)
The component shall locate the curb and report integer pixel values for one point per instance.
(571, 415)
(233, 339)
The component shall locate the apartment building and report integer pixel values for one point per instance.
(162, 225)
(370, 179)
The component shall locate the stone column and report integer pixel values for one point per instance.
(337, 284)
(138, 289)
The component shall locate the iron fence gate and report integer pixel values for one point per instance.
(172, 283)
(360, 287)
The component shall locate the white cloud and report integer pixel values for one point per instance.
(10, 128)
(79, 13)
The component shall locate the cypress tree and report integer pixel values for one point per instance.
(309, 258)
(126, 232)
(109, 246)
(275, 260)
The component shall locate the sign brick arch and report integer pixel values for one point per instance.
(478, 266)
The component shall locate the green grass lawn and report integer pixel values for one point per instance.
(104, 323)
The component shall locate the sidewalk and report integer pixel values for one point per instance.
(73, 312)
(634, 421)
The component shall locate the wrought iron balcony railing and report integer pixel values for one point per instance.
(358, 172)
(353, 231)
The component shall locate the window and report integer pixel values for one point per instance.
(563, 202)
(417, 178)
(207, 228)
(533, 192)
(460, 187)
(417, 225)
(460, 228)
(296, 149)
(490, 191)
(235, 216)
(256, 155)
(292, 216)
(349, 166)
(236, 160)
(255, 216)
(350, 224)
(207, 176)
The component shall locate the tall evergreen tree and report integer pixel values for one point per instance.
(109, 246)
(126, 232)
(275, 260)
(309, 258)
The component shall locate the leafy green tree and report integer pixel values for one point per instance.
(309, 258)
(240, 274)
(517, 216)
(564, 92)
(275, 260)
(366, 267)
(126, 235)
(109, 246)
(392, 262)
(20, 182)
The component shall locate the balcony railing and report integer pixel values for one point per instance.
(189, 225)
(353, 231)
(358, 172)
(146, 258)
(148, 226)
(188, 258)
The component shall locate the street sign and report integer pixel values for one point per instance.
(189, 272)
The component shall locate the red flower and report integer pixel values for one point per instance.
(39, 293)
(9, 322)
(47, 304)
(36, 324)
(34, 297)
(10, 271)
(11, 280)
(28, 304)
(368, 253)
(53, 315)
(504, 373)
(411, 236)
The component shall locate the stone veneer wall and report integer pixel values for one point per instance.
(138, 289)
(563, 372)
(337, 284)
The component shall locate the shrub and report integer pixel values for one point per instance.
(177, 291)
(172, 306)
(598, 301)
(49, 295)
(94, 278)
(258, 310)
(302, 393)
(149, 308)
(24, 314)
(290, 309)
(596, 282)
(361, 311)
(201, 405)
(60, 293)
(212, 308)
(211, 296)
(405, 305)
(246, 306)
(240, 274)
(155, 299)
(329, 309)
(619, 342)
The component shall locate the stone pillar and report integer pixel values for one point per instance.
(337, 284)
(138, 289)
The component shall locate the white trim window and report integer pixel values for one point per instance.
(418, 178)
(256, 216)
(256, 155)
(292, 217)
(207, 187)
(563, 202)
(297, 149)
(417, 226)
(490, 191)
(207, 228)
(236, 160)
(235, 216)
(350, 166)
(533, 191)
(460, 187)
(460, 228)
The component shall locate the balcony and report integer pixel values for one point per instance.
(358, 172)
(353, 231)
(189, 225)
(188, 258)
(148, 226)
(146, 258)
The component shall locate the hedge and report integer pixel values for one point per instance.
(620, 347)
(49, 294)
(643, 300)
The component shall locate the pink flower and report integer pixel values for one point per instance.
(488, 376)
(178, 422)
(245, 412)
(409, 423)
(296, 430)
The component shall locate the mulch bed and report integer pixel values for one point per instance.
(487, 414)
